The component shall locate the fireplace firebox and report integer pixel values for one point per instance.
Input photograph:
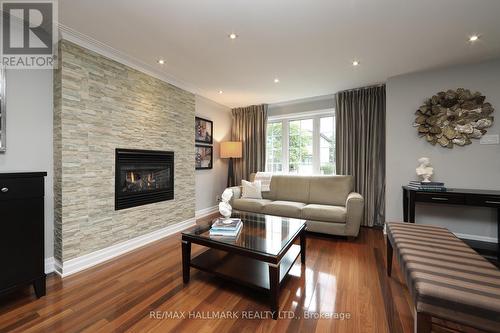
(143, 177)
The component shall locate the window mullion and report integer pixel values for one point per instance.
(284, 144)
(316, 144)
(334, 120)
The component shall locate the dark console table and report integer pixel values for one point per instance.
(22, 231)
(453, 196)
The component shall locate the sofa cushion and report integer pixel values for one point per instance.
(267, 195)
(323, 190)
(330, 190)
(250, 205)
(324, 213)
(284, 208)
(290, 188)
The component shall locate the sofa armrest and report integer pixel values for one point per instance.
(236, 193)
(355, 205)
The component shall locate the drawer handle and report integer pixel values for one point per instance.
(5, 189)
(442, 199)
(493, 202)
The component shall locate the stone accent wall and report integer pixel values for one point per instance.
(57, 159)
(101, 105)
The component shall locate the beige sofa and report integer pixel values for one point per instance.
(328, 203)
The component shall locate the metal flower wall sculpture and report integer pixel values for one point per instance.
(454, 117)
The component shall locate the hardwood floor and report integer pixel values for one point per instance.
(142, 291)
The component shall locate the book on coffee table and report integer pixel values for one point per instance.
(227, 232)
(226, 224)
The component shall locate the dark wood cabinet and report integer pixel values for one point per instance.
(22, 231)
(453, 196)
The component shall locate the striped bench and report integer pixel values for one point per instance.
(445, 277)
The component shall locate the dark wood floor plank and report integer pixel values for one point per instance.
(390, 299)
(340, 275)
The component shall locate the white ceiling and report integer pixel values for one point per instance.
(308, 44)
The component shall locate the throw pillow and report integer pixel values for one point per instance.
(251, 190)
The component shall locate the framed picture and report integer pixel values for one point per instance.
(204, 156)
(203, 130)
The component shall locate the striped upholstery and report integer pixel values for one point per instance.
(446, 278)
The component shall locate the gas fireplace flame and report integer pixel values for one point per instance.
(145, 180)
(131, 176)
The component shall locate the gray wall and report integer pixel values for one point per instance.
(473, 166)
(29, 133)
(210, 183)
(302, 105)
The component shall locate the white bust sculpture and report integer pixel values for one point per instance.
(225, 208)
(425, 170)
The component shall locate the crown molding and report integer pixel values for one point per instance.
(103, 49)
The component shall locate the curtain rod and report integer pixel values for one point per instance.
(361, 88)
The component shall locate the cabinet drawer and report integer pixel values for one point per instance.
(483, 200)
(447, 198)
(21, 188)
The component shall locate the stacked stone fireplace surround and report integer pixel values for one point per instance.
(101, 105)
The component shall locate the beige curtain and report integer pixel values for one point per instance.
(249, 127)
(360, 146)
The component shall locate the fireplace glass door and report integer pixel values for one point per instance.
(143, 177)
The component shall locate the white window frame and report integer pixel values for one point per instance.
(285, 120)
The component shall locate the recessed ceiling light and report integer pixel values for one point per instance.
(220, 91)
(232, 35)
(355, 63)
(473, 38)
(161, 61)
(276, 80)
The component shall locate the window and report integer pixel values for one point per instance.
(274, 147)
(302, 144)
(326, 146)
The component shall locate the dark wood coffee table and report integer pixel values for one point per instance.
(260, 257)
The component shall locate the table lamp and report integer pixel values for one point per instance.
(230, 149)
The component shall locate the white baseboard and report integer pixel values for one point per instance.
(58, 267)
(206, 211)
(49, 265)
(475, 237)
(75, 265)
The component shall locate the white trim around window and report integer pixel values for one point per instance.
(302, 115)
(285, 120)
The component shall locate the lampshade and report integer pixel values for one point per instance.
(230, 149)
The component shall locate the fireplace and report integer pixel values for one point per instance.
(143, 177)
